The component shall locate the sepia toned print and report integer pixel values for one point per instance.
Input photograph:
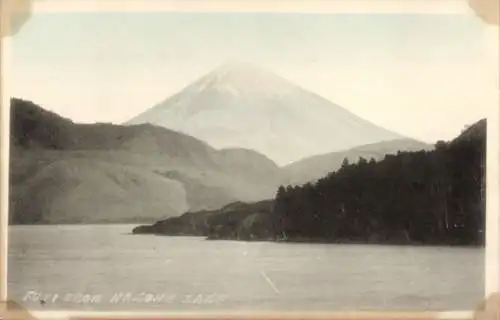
(248, 161)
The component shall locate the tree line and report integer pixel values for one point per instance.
(425, 197)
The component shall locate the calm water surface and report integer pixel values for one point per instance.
(105, 268)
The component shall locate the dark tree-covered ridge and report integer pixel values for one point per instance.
(428, 197)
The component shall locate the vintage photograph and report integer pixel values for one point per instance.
(239, 161)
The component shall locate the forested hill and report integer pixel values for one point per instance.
(425, 197)
(428, 197)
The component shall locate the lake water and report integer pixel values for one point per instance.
(105, 268)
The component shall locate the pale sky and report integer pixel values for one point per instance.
(424, 76)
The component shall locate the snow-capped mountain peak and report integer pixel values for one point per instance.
(242, 78)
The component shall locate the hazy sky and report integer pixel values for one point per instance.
(424, 76)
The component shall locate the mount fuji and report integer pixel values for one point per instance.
(240, 105)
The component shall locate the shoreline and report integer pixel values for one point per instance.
(323, 241)
(340, 242)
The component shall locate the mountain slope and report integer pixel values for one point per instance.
(241, 105)
(84, 189)
(315, 167)
(62, 172)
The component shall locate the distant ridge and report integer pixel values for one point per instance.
(312, 168)
(243, 105)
